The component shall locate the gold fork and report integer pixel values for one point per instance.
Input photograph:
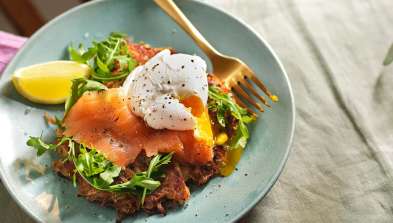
(233, 72)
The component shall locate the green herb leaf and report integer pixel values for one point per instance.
(389, 57)
(74, 179)
(154, 165)
(221, 110)
(110, 173)
(148, 184)
(118, 35)
(110, 59)
(239, 140)
(80, 86)
(103, 67)
(76, 55)
(99, 172)
(157, 162)
(106, 79)
(95, 167)
(89, 54)
(91, 163)
(42, 147)
(143, 179)
(138, 180)
(39, 145)
(222, 104)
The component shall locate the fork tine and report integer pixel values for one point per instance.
(249, 86)
(241, 92)
(262, 86)
(241, 103)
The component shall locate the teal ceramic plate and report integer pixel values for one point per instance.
(49, 198)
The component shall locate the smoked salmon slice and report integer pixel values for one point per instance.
(103, 121)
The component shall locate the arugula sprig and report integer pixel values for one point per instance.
(41, 146)
(92, 166)
(154, 166)
(222, 104)
(110, 59)
(95, 166)
(80, 86)
(99, 172)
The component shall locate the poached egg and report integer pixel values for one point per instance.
(169, 91)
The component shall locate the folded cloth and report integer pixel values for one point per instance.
(9, 45)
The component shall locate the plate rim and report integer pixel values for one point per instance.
(288, 150)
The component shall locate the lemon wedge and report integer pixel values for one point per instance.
(48, 83)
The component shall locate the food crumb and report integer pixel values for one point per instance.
(27, 111)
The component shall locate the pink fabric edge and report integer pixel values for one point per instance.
(11, 40)
(9, 46)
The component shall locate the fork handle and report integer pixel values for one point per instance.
(177, 15)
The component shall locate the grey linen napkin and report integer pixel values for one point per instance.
(340, 169)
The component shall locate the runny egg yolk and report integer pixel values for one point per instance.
(203, 130)
(195, 103)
